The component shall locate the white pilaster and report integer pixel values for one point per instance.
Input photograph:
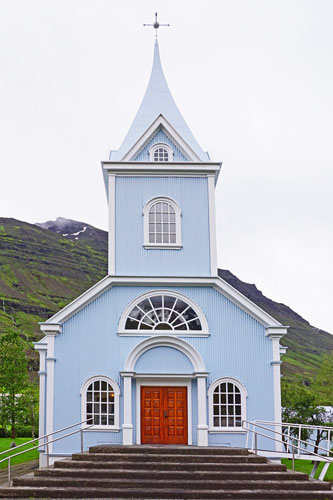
(42, 388)
(212, 225)
(202, 434)
(51, 331)
(127, 426)
(112, 225)
(275, 334)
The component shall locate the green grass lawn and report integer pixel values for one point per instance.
(306, 466)
(25, 457)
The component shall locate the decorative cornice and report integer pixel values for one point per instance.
(276, 332)
(51, 328)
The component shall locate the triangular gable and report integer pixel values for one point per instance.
(219, 284)
(160, 137)
(160, 123)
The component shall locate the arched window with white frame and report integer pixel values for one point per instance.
(160, 152)
(100, 403)
(227, 405)
(163, 312)
(162, 223)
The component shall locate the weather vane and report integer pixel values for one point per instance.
(156, 24)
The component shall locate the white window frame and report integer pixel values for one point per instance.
(204, 332)
(115, 427)
(243, 392)
(146, 209)
(157, 146)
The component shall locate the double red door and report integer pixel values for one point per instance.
(164, 415)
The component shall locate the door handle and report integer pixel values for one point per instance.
(165, 413)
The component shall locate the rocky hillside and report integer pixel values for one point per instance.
(44, 266)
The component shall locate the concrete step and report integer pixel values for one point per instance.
(145, 484)
(79, 464)
(155, 493)
(163, 457)
(175, 475)
(176, 450)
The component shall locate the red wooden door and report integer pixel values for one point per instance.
(164, 415)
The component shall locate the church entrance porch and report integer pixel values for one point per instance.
(164, 415)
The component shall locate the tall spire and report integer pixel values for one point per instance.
(158, 101)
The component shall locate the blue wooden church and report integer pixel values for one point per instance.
(161, 350)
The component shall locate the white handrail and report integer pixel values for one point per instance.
(42, 437)
(311, 453)
(47, 444)
(281, 424)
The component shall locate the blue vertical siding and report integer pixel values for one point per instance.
(132, 259)
(163, 360)
(160, 136)
(89, 345)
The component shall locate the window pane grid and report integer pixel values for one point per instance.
(162, 223)
(100, 406)
(227, 407)
(159, 310)
(161, 154)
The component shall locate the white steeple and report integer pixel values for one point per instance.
(158, 101)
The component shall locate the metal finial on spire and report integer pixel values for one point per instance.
(156, 24)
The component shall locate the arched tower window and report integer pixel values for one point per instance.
(163, 312)
(160, 153)
(227, 405)
(162, 223)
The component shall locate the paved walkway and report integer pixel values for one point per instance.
(18, 470)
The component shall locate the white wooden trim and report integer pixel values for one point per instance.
(181, 345)
(181, 333)
(112, 225)
(127, 426)
(216, 282)
(83, 395)
(178, 213)
(156, 333)
(202, 427)
(163, 381)
(50, 361)
(155, 169)
(276, 383)
(243, 393)
(212, 225)
(161, 122)
(42, 389)
(157, 145)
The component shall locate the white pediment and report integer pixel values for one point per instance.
(161, 123)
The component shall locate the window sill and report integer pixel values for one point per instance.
(226, 430)
(101, 428)
(156, 333)
(162, 247)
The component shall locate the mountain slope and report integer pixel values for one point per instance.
(306, 344)
(45, 266)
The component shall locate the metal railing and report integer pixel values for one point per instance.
(298, 429)
(297, 446)
(46, 444)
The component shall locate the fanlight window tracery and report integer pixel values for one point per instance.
(163, 312)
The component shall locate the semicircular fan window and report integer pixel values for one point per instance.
(163, 312)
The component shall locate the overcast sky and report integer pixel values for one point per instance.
(254, 81)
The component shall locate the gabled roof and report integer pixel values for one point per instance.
(216, 282)
(157, 101)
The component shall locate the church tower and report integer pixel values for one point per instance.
(161, 193)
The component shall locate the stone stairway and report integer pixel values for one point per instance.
(167, 472)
